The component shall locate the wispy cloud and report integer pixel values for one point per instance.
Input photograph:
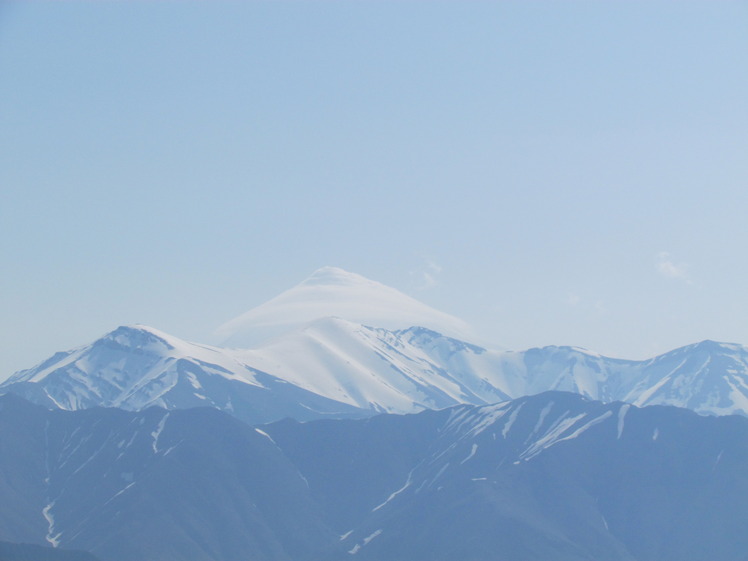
(670, 269)
(427, 277)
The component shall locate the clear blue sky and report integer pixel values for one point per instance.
(552, 172)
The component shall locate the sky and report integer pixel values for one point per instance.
(554, 173)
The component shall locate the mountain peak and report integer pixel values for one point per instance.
(717, 345)
(138, 336)
(334, 292)
(710, 347)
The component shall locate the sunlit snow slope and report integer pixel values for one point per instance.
(138, 367)
(337, 368)
(331, 367)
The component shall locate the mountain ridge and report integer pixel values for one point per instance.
(551, 476)
(336, 368)
(352, 347)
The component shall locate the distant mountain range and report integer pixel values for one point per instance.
(338, 369)
(553, 477)
(362, 424)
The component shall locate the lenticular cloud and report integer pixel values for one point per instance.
(333, 292)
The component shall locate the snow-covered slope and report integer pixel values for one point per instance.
(333, 292)
(330, 367)
(337, 368)
(373, 368)
(138, 367)
(707, 377)
(131, 365)
(710, 378)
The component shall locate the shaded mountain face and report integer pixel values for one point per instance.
(549, 477)
(156, 485)
(334, 368)
(26, 552)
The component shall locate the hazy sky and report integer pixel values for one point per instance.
(552, 172)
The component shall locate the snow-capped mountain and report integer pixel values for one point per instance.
(330, 368)
(138, 367)
(333, 292)
(496, 464)
(337, 368)
(321, 365)
(707, 377)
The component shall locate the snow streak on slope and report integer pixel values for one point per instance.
(474, 442)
